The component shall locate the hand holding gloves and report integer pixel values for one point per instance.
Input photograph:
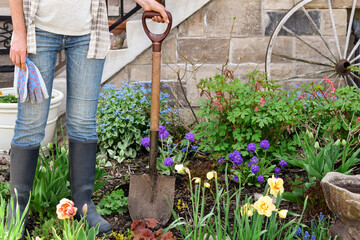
(29, 84)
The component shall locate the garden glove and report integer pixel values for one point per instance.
(29, 84)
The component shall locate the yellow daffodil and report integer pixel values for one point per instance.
(207, 185)
(187, 170)
(247, 210)
(276, 185)
(210, 175)
(1, 93)
(180, 168)
(283, 213)
(197, 180)
(264, 206)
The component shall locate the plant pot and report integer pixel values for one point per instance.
(8, 114)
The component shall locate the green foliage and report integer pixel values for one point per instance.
(15, 227)
(51, 182)
(5, 190)
(115, 202)
(123, 116)
(78, 230)
(317, 161)
(8, 99)
(239, 113)
(45, 229)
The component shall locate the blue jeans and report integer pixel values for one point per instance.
(83, 87)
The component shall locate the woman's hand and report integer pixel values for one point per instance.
(18, 51)
(152, 5)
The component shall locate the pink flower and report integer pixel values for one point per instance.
(218, 106)
(262, 101)
(65, 209)
(288, 128)
(333, 89)
(357, 120)
(256, 109)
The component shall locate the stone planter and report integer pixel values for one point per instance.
(342, 195)
(8, 112)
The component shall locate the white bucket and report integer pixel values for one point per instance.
(8, 113)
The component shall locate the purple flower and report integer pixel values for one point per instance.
(282, 163)
(168, 162)
(260, 179)
(264, 144)
(312, 236)
(220, 161)
(190, 136)
(184, 149)
(236, 179)
(237, 159)
(161, 129)
(251, 147)
(277, 170)
(249, 163)
(234, 153)
(254, 160)
(145, 142)
(255, 169)
(163, 135)
(234, 166)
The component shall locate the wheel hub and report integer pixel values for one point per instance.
(342, 67)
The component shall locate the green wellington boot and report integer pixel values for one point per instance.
(82, 162)
(22, 172)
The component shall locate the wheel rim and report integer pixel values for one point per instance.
(331, 59)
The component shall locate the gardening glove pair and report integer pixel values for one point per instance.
(29, 84)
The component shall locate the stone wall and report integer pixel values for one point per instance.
(204, 39)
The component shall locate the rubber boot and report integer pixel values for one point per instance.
(82, 162)
(22, 172)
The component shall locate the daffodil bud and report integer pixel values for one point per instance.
(283, 213)
(197, 180)
(311, 136)
(337, 143)
(85, 209)
(207, 185)
(343, 142)
(210, 175)
(50, 146)
(317, 146)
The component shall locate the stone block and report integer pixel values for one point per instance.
(169, 50)
(298, 22)
(345, 4)
(120, 77)
(144, 58)
(219, 18)
(302, 50)
(245, 68)
(340, 19)
(280, 71)
(143, 73)
(208, 50)
(193, 26)
(282, 46)
(249, 49)
(317, 4)
(278, 5)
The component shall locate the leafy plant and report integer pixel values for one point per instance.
(45, 229)
(5, 190)
(13, 229)
(237, 113)
(317, 161)
(123, 115)
(8, 98)
(147, 230)
(115, 202)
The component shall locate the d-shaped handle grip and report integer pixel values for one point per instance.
(156, 38)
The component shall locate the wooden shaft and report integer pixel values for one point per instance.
(155, 110)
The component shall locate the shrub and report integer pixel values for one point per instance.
(123, 116)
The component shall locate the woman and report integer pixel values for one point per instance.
(41, 28)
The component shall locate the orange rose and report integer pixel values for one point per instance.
(65, 209)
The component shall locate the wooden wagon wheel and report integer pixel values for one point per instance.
(315, 53)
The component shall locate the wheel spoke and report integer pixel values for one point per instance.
(302, 60)
(352, 81)
(334, 29)
(318, 30)
(354, 49)
(349, 27)
(307, 44)
(357, 64)
(306, 75)
(356, 58)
